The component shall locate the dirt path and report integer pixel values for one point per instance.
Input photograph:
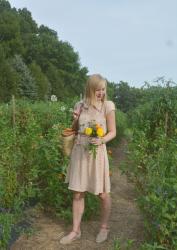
(125, 223)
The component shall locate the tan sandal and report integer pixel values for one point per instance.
(102, 235)
(66, 240)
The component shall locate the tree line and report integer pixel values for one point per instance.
(35, 64)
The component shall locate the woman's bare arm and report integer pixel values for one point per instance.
(111, 127)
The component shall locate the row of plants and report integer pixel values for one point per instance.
(32, 164)
(152, 165)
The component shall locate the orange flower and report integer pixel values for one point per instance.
(97, 126)
(61, 176)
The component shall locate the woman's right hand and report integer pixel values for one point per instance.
(75, 115)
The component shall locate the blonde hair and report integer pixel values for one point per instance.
(93, 83)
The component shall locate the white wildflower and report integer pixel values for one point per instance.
(53, 98)
(62, 108)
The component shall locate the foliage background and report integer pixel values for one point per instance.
(35, 64)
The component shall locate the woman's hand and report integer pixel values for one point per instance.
(75, 115)
(96, 141)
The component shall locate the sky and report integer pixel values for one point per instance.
(123, 40)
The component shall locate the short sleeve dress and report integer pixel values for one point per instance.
(85, 172)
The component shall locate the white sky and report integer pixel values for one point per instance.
(129, 40)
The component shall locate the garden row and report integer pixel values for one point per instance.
(152, 165)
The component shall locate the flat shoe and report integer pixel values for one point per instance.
(102, 235)
(66, 240)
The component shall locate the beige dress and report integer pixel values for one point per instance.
(86, 173)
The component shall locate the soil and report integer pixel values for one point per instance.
(126, 222)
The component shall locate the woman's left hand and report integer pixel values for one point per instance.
(96, 141)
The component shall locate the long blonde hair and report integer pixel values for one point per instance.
(93, 83)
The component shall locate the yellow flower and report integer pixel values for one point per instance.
(100, 132)
(88, 131)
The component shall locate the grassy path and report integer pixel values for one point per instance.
(126, 222)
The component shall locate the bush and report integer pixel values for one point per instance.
(121, 127)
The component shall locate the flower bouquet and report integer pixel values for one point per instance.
(93, 130)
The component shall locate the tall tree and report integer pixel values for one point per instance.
(4, 5)
(26, 84)
(42, 82)
(10, 30)
(126, 97)
(8, 79)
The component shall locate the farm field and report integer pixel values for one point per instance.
(33, 167)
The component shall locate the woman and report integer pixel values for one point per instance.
(86, 172)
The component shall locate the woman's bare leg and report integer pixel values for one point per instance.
(78, 210)
(105, 213)
(105, 209)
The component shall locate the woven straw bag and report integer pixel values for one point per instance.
(68, 136)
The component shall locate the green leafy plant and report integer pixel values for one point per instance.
(116, 244)
(152, 166)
